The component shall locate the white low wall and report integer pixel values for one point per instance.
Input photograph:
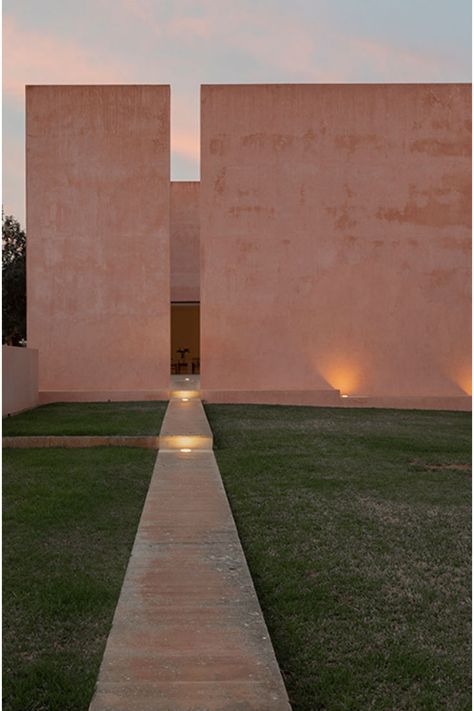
(19, 379)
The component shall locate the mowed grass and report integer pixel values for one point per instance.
(70, 518)
(88, 418)
(356, 528)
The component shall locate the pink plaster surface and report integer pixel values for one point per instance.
(184, 227)
(19, 379)
(98, 179)
(335, 239)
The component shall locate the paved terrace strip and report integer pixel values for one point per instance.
(188, 633)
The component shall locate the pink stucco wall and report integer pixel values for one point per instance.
(184, 227)
(335, 241)
(98, 190)
(19, 379)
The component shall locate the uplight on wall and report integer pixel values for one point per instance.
(343, 375)
(463, 379)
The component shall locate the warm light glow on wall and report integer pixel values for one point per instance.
(463, 378)
(343, 375)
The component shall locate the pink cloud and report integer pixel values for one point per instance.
(190, 27)
(34, 58)
(283, 45)
(321, 52)
(142, 11)
(188, 42)
(389, 58)
(185, 143)
(185, 125)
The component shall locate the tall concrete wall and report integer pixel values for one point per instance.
(184, 220)
(19, 379)
(335, 241)
(98, 191)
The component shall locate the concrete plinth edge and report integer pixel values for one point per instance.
(80, 441)
(421, 402)
(333, 398)
(324, 398)
(47, 396)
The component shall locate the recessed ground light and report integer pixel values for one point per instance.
(344, 395)
(185, 449)
(186, 378)
(185, 399)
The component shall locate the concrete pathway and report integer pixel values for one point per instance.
(188, 633)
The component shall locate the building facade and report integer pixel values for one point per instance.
(324, 253)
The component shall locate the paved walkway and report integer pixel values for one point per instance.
(188, 633)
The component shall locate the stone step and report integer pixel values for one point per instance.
(185, 426)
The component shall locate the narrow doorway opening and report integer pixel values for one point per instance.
(185, 346)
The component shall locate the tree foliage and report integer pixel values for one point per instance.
(13, 281)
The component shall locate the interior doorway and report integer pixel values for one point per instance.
(185, 346)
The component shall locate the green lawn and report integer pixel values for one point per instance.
(88, 418)
(356, 528)
(70, 518)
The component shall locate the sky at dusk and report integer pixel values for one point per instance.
(186, 43)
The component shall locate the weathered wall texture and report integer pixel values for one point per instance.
(98, 182)
(184, 226)
(19, 379)
(335, 240)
